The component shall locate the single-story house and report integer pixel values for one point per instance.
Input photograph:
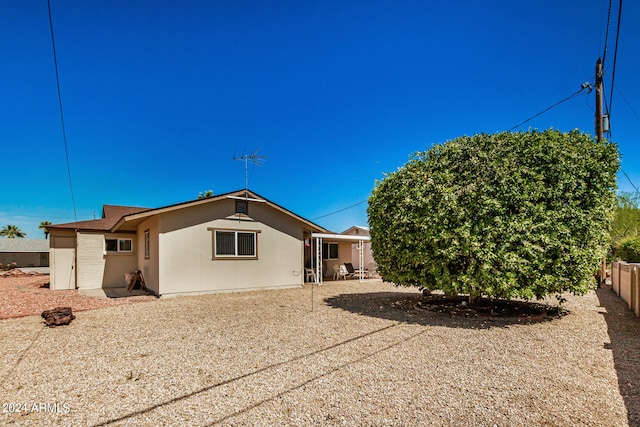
(24, 252)
(230, 242)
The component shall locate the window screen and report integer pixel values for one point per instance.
(225, 243)
(246, 244)
(124, 245)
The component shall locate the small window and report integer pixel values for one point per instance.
(111, 245)
(242, 207)
(118, 245)
(246, 244)
(225, 243)
(235, 244)
(146, 244)
(329, 251)
(124, 245)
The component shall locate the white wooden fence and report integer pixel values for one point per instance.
(625, 281)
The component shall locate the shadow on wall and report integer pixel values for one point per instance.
(624, 333)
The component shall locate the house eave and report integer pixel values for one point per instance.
(130, 222)
(347, 237)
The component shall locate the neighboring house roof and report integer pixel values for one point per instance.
(357, 229)
(23, 245)
(116, 218)
(111, 214)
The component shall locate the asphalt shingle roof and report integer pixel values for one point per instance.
(111, 214)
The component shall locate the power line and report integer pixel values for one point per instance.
(606, 37)
(340, 210)
(626, 101)
(615, 57)
(626, 175)
(630, 182)
(64, 132)
(584, 87)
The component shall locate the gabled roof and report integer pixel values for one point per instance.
(23, 245)
(359, 229)
(133, 219)
(116, 218)
(111, 214)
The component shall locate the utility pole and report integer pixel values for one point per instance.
(599, 132)
(599, 117)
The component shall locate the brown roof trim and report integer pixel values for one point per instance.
(111, 214)
(249, 193)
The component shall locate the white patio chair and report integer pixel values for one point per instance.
(339, 271)
(310, 275)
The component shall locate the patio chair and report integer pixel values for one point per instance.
(310, 275)
(339, 271)
(351, 272)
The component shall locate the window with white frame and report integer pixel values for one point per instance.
(118, 245)
(241, 244)
(146, 244)
(329, 251)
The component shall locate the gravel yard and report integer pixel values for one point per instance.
(264, 358)
(27, 295)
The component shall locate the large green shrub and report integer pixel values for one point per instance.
(504, 215)
(626, 220)
(629, 249)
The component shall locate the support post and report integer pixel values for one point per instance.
(319, 271)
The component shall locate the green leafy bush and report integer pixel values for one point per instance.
(629, 249)
(504, 215)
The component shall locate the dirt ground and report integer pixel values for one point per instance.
(345, 353)
(29, 295)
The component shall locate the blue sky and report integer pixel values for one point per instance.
(159, 96)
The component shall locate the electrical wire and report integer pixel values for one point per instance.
(606, 37)
(615, 57)
(64, 132)
(340, 210)
(573, 95)
(627, 176)
(626, 101)
(630, 182)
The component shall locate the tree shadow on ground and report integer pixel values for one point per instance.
(624, 332)
(444, 311)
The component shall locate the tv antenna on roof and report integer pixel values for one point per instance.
(253, 158)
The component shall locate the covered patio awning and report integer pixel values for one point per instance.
(319, 237)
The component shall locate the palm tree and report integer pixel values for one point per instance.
(12, 231)
(205, 195)
(43, 227)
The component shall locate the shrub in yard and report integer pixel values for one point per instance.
(629, 249)
(504, 215)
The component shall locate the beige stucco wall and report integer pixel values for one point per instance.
(368, 254)
(344, 255)
(186, 250)
(149, 266)
(62, 248)
(99, 270)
